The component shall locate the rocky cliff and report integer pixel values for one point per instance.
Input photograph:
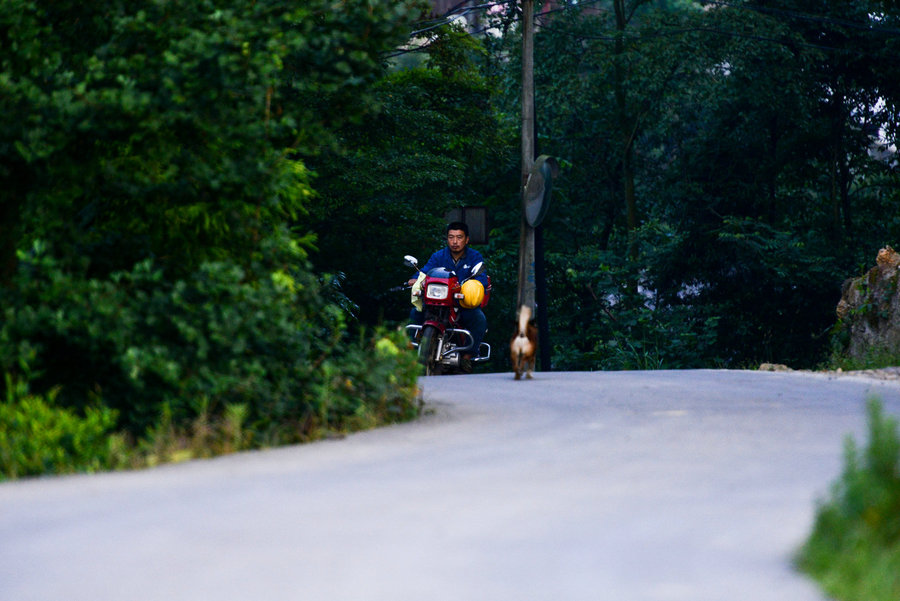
(869, 310)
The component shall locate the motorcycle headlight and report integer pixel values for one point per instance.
(437, 292)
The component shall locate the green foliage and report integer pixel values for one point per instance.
(189, 348)
(617, 326)
(165, 130)
(755, 188)
(39, 437)
(775, 287)
(854, 548)
(435, 145)
(875, 357)
(207, 436)
(375, 381)
(452, 51)
(151, 258)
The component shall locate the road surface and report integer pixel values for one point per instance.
(619, 486)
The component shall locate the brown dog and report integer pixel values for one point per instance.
(523, 346)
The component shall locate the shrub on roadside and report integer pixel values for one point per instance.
(854, 548)
(875, 358)
(37, 437)
(181, 356)
(373, 381)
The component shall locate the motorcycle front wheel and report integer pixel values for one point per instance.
(428, 347)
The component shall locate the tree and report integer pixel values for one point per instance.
(723, 114)
(434, 145)
(165, 130)
(854, 67)
(154, 263)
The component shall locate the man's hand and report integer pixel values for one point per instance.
(411, 282)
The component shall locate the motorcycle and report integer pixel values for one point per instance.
(440, 343)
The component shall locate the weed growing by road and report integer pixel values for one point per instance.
(854, 548)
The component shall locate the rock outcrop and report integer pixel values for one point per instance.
(869, 309)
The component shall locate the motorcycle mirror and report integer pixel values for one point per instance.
(477, 269)
(410, 261)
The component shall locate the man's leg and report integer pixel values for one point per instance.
(416, 317)
(474, 321)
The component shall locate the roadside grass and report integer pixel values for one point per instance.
(373, 383)
(39, 438)
(875, 358)
(854, 548)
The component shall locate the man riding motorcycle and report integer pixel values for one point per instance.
(458, 257)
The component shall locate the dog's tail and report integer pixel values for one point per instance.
(524, 317)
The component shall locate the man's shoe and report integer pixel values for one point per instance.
(465, 365)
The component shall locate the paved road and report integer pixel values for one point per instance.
(619, 486)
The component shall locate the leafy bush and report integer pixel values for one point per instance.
(854, 549)
(38, 437)
(275, 343)
(159, 147)
(380, 370)
(634, 328)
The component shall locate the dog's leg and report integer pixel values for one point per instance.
(517, 363)
(520, 343)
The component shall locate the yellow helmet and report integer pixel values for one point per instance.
(473, 294)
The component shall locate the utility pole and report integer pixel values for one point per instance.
(535, 198)
(526, 295)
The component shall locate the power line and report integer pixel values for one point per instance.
(803, 16)
(460, 10)
(454, 13)
(721, 32)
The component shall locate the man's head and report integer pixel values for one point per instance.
(457, 237)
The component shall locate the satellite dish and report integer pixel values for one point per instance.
(536, 199)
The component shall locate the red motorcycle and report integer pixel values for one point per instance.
(439, 295)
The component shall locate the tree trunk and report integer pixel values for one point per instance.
(773, 167)
(626, 129)
(9, 221)
(837, 178)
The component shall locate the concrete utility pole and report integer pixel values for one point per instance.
(526, 295)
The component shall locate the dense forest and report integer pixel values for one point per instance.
(725, 167)
(205, 205)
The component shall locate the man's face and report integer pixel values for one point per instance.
(457, 240)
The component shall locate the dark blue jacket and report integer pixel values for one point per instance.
(463, 267)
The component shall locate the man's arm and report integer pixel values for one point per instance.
(475, 257)
(433, 261)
